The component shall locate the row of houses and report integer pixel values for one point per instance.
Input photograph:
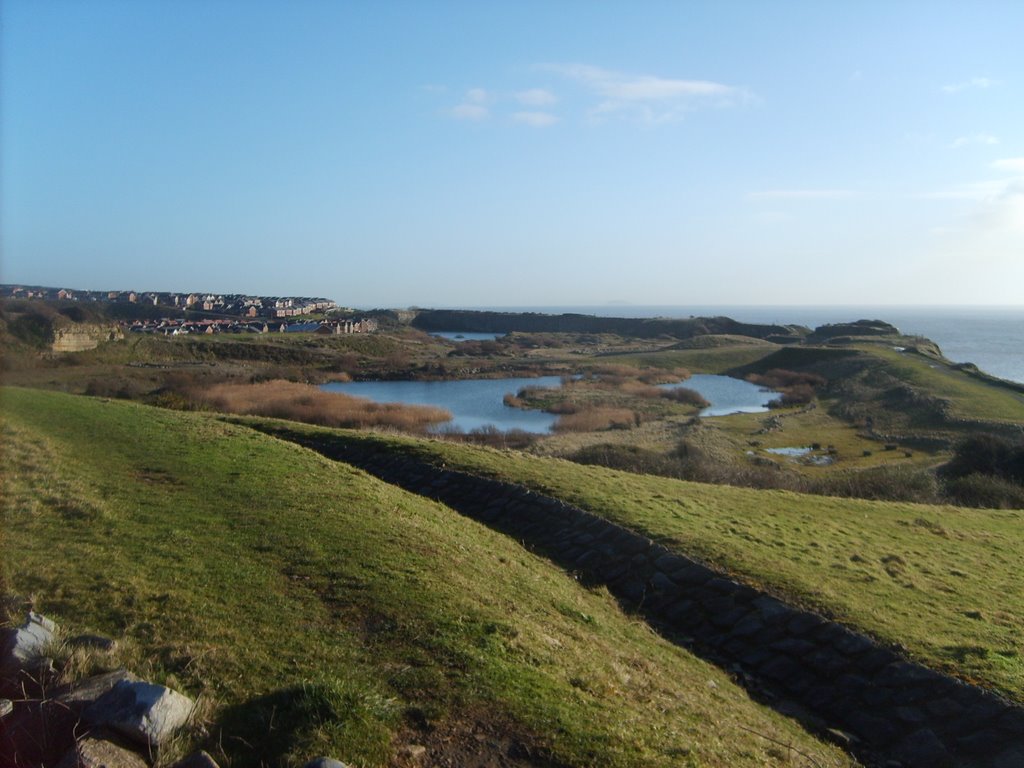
(174, 327)
(238, 305)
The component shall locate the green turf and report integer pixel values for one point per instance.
(971, 398)
(317, 610)
(942, 581)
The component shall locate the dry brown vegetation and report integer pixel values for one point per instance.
(685, 396)
(306, 403)
(797, 388)
(595, 419)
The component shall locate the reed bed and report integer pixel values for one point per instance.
(311, 405)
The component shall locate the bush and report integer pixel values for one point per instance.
(983, 490)
(309, 404)
(685, 396)
(595, 419)
(987, 455)
(885, 483)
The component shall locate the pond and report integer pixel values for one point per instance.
(727, 395)
(476, 403)
(466, 335)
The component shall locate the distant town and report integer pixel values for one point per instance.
(210, 312)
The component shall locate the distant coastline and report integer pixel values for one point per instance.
(990, 337)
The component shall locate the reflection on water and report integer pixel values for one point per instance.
(727, 395)
(477, 403)
(474, 403)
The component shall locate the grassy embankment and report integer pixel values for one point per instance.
(316, 610)
(941, 581)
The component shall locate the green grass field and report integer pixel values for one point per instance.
(971, 398)
(316, 610)
(941, 581)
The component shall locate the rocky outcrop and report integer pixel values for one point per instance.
(82, 336)
(644, 328)
(24, 648)
(824, 333)
(886, 709)
(147, 714)
(113, 719)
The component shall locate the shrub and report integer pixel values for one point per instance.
(983, 490)
(685, 396)
(884, 483)
(987, 455)
(309, 404)
(595, 419)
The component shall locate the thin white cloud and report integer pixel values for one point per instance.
(473, 106)
(979, 191)
(536, 97)
(801, 194)
(981, 83)
(535, 119)
(1012, 164)
(974, 138)
(466, 111)
(649, 97)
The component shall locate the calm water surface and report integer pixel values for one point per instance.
(727, 395)
(466, 335)
(476, 403)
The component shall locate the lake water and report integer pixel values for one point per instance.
(990, 337)
(727, 395)
(466, 336)
(476, 403)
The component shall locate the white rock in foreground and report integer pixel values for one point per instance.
(97, 753)
(145, 712)
(26, 645)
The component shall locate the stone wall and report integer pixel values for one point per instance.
(887, 710)
(80, 337)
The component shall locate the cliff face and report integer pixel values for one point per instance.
(505, 322)
(83, 336)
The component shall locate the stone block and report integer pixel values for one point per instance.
(946, 709)
(923, 748)
(780, 669)
(324, 762)
(802, 623)
(751, 624)
(147, 713)
(663, 583)
(23, 647)
(198, 759)
(85, 692)
(772, 610)
(852, 644)
(91, 752)
(729, 619)
(870, 729)
(794, 646)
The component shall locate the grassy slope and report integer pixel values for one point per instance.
(971, 398)
(942, 581)
(710, 360)
(318, 610)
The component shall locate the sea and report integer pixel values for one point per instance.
(990, 337)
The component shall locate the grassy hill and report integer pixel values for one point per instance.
(940, 581)
(315, 609)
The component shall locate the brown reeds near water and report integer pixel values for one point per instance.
(594, 419)
(309, 404)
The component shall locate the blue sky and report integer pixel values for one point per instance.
(520, 153)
